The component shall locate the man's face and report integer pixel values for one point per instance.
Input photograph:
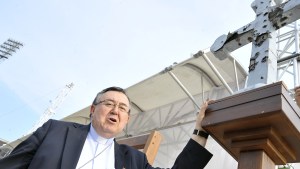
(109, 117)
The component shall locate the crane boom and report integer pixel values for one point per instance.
(50, 111)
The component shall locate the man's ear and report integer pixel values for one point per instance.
(92, 109)
(128, 119)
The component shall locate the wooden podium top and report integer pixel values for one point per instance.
(264, 118)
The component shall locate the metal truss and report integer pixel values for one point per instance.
(182, 112)
(288, 55)
(50, 111)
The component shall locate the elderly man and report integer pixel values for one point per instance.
(68, 145)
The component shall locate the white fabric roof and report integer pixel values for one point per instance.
(161, 89)
(159, 103)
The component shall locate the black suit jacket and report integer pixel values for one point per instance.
(58, 145)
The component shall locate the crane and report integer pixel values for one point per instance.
(50, 111)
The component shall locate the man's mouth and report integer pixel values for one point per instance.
(113, 120)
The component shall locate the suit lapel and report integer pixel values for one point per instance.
(120, 155)
(75, 138)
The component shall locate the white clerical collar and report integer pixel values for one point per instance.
(97, 138)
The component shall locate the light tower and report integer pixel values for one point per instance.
(8, 48)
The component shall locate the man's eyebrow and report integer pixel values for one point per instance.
(120, 103)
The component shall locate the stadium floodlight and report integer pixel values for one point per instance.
(8, 48)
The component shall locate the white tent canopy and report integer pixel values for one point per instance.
(161, 89)
(162, 103)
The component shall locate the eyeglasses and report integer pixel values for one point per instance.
(112, 104)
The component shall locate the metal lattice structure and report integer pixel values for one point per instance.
(6, 148)
(50, 111)
(288, 54)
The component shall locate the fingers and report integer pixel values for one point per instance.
(297, 89)
(210, 101)
(204, 106)
(297, 92)
(207, 102)
(201, 113)
(297, 95)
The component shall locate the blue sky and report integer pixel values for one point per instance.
(96, 44)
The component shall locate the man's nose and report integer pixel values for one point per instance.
(115, 109)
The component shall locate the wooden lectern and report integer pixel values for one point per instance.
(260, 128)
(149, 143)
